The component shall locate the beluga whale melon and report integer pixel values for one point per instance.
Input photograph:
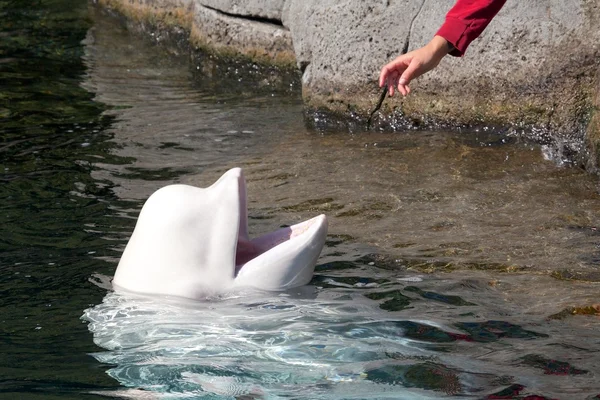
(193, 242)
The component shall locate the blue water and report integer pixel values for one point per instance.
(336, 341)
(453, 269)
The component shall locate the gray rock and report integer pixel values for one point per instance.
(228, 33)
(270, 9)
(535, 66)
(344, 45)
(341, 45)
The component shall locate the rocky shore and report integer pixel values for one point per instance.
(533, 72)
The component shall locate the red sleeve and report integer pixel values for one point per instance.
(465, 22)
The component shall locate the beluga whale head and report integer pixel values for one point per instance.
(193, 242)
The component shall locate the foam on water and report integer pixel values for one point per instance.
(356, 333)
(263, 345)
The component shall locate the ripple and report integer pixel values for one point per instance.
(328, 343)
(219, 346)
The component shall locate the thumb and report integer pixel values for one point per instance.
(411, 72)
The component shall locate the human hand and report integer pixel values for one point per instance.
(411, 65)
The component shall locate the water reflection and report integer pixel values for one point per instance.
(174, 119)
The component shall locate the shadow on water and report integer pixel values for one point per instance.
(438, 279)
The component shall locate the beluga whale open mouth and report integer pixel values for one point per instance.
(193, 242)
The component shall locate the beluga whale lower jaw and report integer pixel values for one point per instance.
(193, 242)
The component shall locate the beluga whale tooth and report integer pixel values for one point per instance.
(193, 242)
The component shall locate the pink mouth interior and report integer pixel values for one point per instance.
(250, 249)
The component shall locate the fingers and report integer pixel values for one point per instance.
(385, 71)
(391, 73)
(392, 81)
(410, 73)
(404, 89)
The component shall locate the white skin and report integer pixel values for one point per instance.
(401, 71)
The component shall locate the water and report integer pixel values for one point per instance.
(346, 337)
(454, 267)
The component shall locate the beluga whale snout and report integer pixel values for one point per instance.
(193, 242)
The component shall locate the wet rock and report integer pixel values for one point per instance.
(534, 69)
(511, 75)
(593, 310)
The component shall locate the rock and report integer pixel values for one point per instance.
(262, 9)
(535, 65)
(341, 46)
(254, 31)
(534, 69)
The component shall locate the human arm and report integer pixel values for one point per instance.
(464, 23)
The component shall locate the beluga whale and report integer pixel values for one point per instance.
(193, 242)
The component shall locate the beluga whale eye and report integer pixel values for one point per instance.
(193, 242)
